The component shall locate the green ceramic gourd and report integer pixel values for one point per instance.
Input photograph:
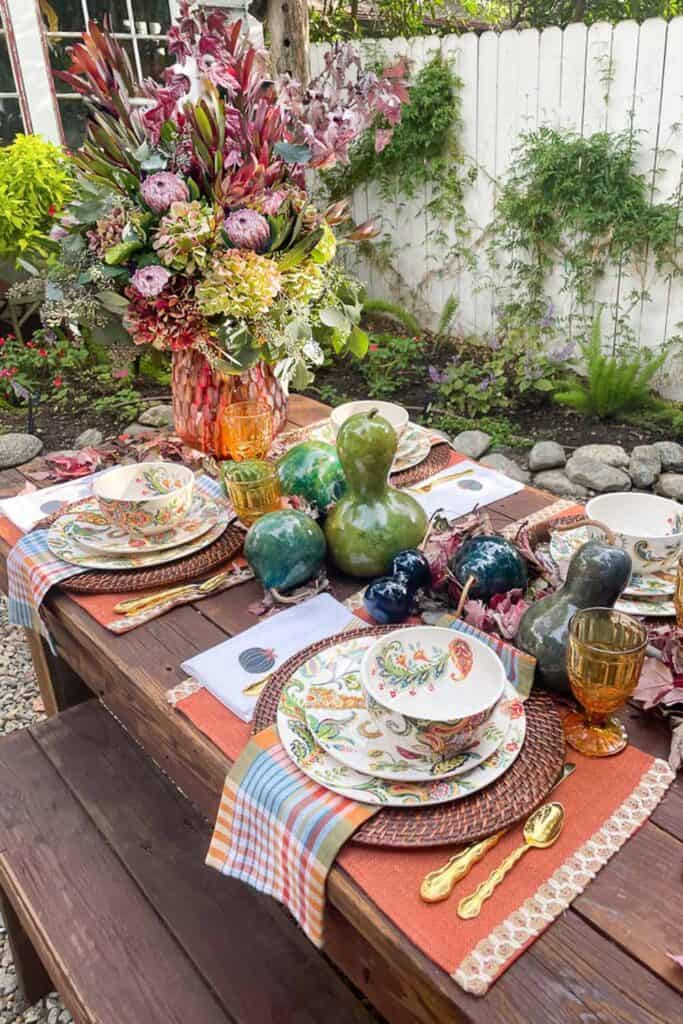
(372, 522)
(597, 574)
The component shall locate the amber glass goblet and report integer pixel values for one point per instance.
(678, 594)
(604, 660)
(253, 495)
(248, 429)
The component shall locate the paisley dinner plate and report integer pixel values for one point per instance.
(62, 543)
(337, 716)
(414, 445)
(326, 770)
(564, 544)
(663, 585)
(652, 609)
(97, 534)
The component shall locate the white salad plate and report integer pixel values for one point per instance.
(414, 444)
(389, 746)
(325, 769)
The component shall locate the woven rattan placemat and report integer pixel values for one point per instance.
(506, 801)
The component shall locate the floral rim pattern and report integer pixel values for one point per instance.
(63, 544)
(94, 532)
(387, 746)
(414, 445)
(323, 768)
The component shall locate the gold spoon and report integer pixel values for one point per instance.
(427, 487)
(439, 884)
(541, 830)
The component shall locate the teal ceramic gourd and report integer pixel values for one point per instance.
(372, 522)
(494, 564)
(596, 576)
(312, 470)
(285, 549)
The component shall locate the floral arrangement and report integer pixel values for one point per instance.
(192, 224)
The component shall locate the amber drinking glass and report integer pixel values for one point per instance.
(678, 594)
(604, 659)
(254, 494)
(248, 430)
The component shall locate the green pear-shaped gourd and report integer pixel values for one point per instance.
(596, 576)
(373, 522)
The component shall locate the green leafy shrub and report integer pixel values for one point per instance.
(390, 364)
(35, 182)
(614, 383)
(42, 364)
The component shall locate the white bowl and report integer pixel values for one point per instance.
(147, 498)
(395, 414)
(650, 528)
(443, 683)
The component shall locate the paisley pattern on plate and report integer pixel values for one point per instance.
(62, 543)
(326, 770)
(336, 714)
(414, 445)
(564, 544)
(662, 585)
(95, 533)
(658, 609)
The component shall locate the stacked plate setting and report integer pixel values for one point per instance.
(342, 717)
(140, 516)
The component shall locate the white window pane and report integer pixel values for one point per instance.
(153, 57)
(117, 13)
(6, 75)
(152, 17)
(73, 115)
(10, 119)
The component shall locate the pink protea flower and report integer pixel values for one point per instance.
(247, 229)
(149, 281)
(162, 189)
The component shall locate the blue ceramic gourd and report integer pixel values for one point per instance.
(494, 563)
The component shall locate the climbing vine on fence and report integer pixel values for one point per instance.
(578, 204)
(424, 153)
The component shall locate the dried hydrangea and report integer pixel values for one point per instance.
(239, 284)
(149, 281)
(184, 237)
(304, 283)
(108, 231)
(162, 189)
(80, 308)
(170, 320)
(247, 229)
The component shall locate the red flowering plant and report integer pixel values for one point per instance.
(192, 222)
(36, 366)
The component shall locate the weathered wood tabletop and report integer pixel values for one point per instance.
(605, 959)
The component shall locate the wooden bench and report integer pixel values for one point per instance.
(106, 897)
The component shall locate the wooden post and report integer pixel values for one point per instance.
(60, 687)
(287, 22)
(32, 978)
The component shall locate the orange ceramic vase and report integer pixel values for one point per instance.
(201, 394)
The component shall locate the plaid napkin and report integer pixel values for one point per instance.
(32, 569)
(281, 832)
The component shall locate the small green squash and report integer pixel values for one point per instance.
(312, 470)
(284, 549)
(372, 522)
(596, 576)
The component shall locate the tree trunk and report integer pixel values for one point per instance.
(287, 23)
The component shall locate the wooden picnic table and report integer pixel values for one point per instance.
(603, 960)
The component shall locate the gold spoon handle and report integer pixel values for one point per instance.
(136, 604)
(470, 906)
(426, 487)
(439, 884)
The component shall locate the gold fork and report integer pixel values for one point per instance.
(429, 486)
(136, 604)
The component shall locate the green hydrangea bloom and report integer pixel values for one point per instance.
(240, 284)
(326, 249)
(184, 236)
(304, 283)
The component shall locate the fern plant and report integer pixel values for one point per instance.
(614, 383)
(393, 310)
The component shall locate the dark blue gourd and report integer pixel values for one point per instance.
(596, 576)
(413, 565)
(495, 564)
(388, 599)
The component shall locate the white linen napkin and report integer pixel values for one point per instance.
(475, 486)
(227, 669)
(25, 510)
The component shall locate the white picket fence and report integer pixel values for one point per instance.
(602, 78)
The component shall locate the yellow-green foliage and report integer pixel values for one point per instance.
(35, 178)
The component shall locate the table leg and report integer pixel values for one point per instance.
(33, 980)
(60, 687)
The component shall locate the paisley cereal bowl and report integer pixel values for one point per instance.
(650, 528)
(440, 683)
(147, 498)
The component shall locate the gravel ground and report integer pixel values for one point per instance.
(19, 706)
